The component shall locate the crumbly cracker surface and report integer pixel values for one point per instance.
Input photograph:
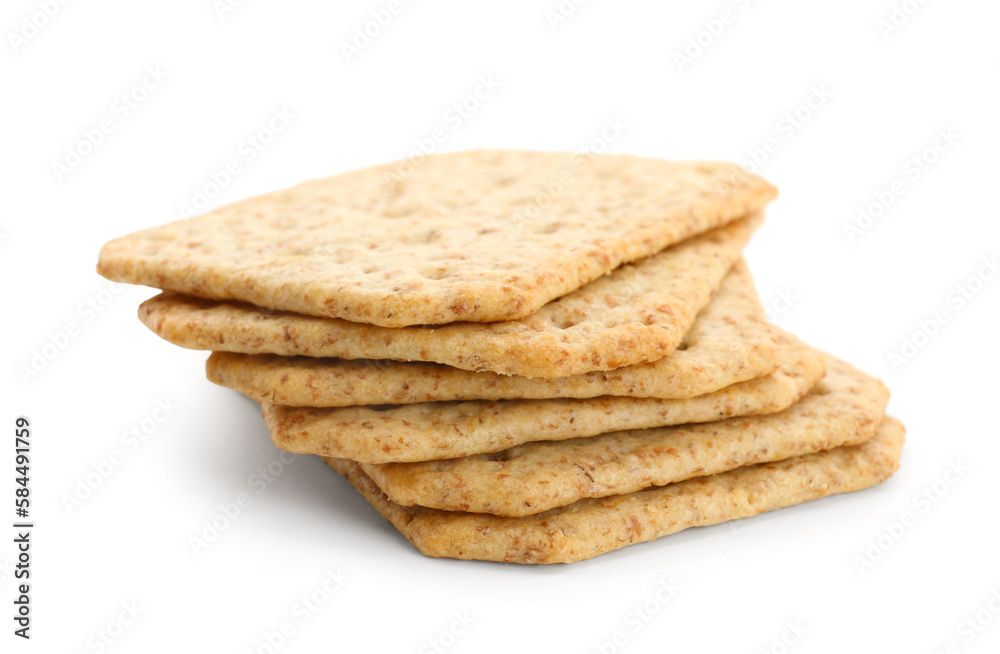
(444, 430)
(843, 409)
(594, 526)
(729, 342)
(637, 314)
(457, 240)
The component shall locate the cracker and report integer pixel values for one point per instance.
(843, 409)
(729, 342)
(595, 526)
(638, 313)
(457, 240)
(444, 430)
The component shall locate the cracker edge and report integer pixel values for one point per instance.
(500, 539)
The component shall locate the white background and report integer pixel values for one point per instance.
(885, 98)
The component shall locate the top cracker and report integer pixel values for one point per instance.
(471, 236)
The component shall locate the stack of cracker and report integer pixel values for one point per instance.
(519, 356)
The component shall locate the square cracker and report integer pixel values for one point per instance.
(729, 342)
(638, 313)
(460, 239)
(444, 430)
(843, 409)
(593, 526)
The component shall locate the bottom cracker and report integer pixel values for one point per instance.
(593, 526)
